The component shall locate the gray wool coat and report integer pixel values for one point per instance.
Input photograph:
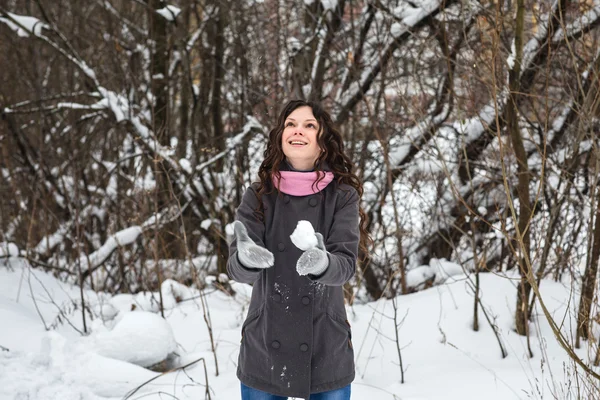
(296, 339)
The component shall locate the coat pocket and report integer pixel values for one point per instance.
(344, 324)
(251, 317)
(333, 359)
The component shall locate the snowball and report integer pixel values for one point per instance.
(141, 338)
(304, 236)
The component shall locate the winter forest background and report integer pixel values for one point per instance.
(130, 129)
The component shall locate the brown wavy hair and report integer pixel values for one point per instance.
(332, 146)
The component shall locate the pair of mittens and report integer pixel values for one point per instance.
(313, 261)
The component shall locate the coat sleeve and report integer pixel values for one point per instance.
(246, 213)
(342, 243)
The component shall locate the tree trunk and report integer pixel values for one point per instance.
(219, 74)
(524, 216)
(159, 64)
(590, 108)
(589, 279)
(159, 70)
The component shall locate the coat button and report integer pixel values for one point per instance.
(286, 199)
(281, 246)
(306, 300)
(277, 297)
(275, 344)
(313, 201)
(303, 347)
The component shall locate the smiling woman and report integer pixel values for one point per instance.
(299, 139)
(296, 340)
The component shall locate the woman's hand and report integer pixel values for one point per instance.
(313, 261)
(249, 253)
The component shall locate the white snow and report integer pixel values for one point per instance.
(169, 12)
(445, 270)
(510, 61)
(293, 44)
(206, 223)
(24, 25)
(397, 29)
(303, 236)
(142, 338)
(582, 22)
(229, 229)
(121, 238)
(329, 4)
(438, 270)
(8, 249)
(185, 165)
(444, 359)
(472, 128)
(63, 369)
(251, 125)
(322, 35)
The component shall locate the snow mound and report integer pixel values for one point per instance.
(66, 371)
(141, 338)
(446, 271)
(439, 270)
(173, 292)
(417, 277)
(8, 249)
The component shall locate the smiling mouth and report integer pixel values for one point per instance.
(297, 143)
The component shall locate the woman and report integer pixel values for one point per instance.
(296, 339)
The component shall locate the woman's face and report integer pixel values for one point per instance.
(299, 139)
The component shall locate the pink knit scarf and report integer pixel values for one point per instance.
(298, 183)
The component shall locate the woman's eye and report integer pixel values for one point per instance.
(311, 125)
(289, 124)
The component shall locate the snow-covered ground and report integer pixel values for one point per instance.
(443, 357)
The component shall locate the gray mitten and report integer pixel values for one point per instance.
(313, 261)
(249, 253)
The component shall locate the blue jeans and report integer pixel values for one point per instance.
(249, 393)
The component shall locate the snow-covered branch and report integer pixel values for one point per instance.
(126, 237)
(110, 8)
(169, 12)
(23, 25)
(32, 25)
(349, 98)
(251, 126)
